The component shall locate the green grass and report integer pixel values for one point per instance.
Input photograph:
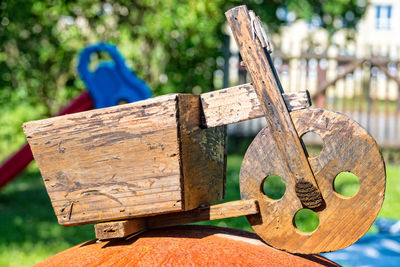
(391, 205)
(29, 231)
(232, 193)
(306, 220)
(274, 187)
(346, 184)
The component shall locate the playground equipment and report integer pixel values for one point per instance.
(110, 83)
(161, 162)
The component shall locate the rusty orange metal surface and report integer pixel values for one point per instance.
(192, 245)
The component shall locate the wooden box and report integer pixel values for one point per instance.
(134, 160)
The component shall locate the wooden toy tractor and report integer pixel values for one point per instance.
(161, 162)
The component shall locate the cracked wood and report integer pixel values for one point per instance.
(240, 103)
(138, 159)
(128, 161)
(266, 84)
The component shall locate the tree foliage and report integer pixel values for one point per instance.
(171, 44)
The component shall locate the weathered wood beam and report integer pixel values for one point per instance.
(164, 154)
(140, 159)
(240, 103)
(120, 229)
(251, 40)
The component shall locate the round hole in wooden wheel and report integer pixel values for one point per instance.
(274, 187)
(313, 143)
(346, 184)
(343, 220)
(306, 220)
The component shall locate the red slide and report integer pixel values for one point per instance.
(18, 162)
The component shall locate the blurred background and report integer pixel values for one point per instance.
(345, 52)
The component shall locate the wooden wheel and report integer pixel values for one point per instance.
(342, 220)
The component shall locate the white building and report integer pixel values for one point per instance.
(380, 26)
(379, 29)
(307, 49)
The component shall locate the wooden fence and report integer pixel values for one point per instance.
(365, 88)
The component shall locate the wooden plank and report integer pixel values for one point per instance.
(203, 155)
(297, 100)
(207, 213)
(131, 160)
(289, 150)
(240, 103)
(118, 229)
(111, 163)
(126, 161)
(86, 158)
(121, 229)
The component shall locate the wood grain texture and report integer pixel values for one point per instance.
(240, 103)
(284, 137)
(342, 220)
(109, 164)
(120, 229)
(203, 155)
(129, 160)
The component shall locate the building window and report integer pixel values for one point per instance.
(383, 16)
